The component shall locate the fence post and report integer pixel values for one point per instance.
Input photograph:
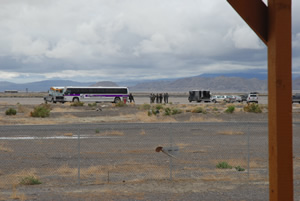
(171, 160)
(78, 178)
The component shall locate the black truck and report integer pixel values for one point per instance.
(199, 95)
(296, 98)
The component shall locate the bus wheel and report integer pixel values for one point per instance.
(75, 100)
(117, 100)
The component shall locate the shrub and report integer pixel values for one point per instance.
(121, 104)
(159, 107)
(199, 110)
(239, 168)
(176, 111)
(92, 104)
(76, 104)
(230, 109)
(253, 107)
(168, 111)
(223, 165)
(40, 111)
(30, 180)
(145, 106)
(11, 111)
(97, 131)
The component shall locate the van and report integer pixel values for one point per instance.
(252, 98)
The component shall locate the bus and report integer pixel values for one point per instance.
(95, 94)
(55, 94)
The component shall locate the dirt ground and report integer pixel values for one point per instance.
(118, 161)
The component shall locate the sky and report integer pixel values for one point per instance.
(129, 40)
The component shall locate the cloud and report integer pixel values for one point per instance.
(244, 38)
(127, 39)
(9, 75)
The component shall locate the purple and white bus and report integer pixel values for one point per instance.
(95, 94)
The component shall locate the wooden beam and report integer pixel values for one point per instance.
(275, 21)
(280, 100)
(255, 14)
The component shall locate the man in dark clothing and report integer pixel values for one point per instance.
(131, 99)
(160, 98)
(167, 98)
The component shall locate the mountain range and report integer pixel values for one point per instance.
(215, 84)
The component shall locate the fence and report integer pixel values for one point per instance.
(208, 159)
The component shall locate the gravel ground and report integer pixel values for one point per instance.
(118, 159)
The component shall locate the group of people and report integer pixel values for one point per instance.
(159, 97)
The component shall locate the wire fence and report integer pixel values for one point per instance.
(230, 158)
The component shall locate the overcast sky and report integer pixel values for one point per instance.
(121, 40)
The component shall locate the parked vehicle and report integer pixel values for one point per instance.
(296, 98)
(217, 98)
(55, 94)
(96, 94)
(244, 97)
(252, 98)
(238, 99)
(229, 99)
(198, 95)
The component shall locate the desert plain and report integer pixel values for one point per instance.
(106, 151)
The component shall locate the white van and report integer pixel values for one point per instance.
(252, 98)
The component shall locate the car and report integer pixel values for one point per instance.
(229, 99)
(244, 97)
(252, 98)
(238, 99)
(296, 98)
(217, 98)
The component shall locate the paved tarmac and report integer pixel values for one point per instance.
(138, 100)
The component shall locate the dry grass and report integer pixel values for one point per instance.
(66, 170)
(143, 132)
(213, 177)
(4, 148)
(23, 109)
(182, 145)
(230, 133)
(68, 134)
(257, 177)
(111, 133)
(143, 117)
(25, 173)
(253, 163)
(203, 119)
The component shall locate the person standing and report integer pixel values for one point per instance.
(131, 99)
(160, 98)
(167, 98)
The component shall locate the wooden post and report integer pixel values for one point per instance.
(272, 24)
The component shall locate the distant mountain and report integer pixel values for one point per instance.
(261, 75)
(296, 83)
(215, 84)
(105, 84)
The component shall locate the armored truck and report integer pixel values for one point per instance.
(199, 95)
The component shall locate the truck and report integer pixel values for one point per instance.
(296, 98)
(199, 95)
(55, 94)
